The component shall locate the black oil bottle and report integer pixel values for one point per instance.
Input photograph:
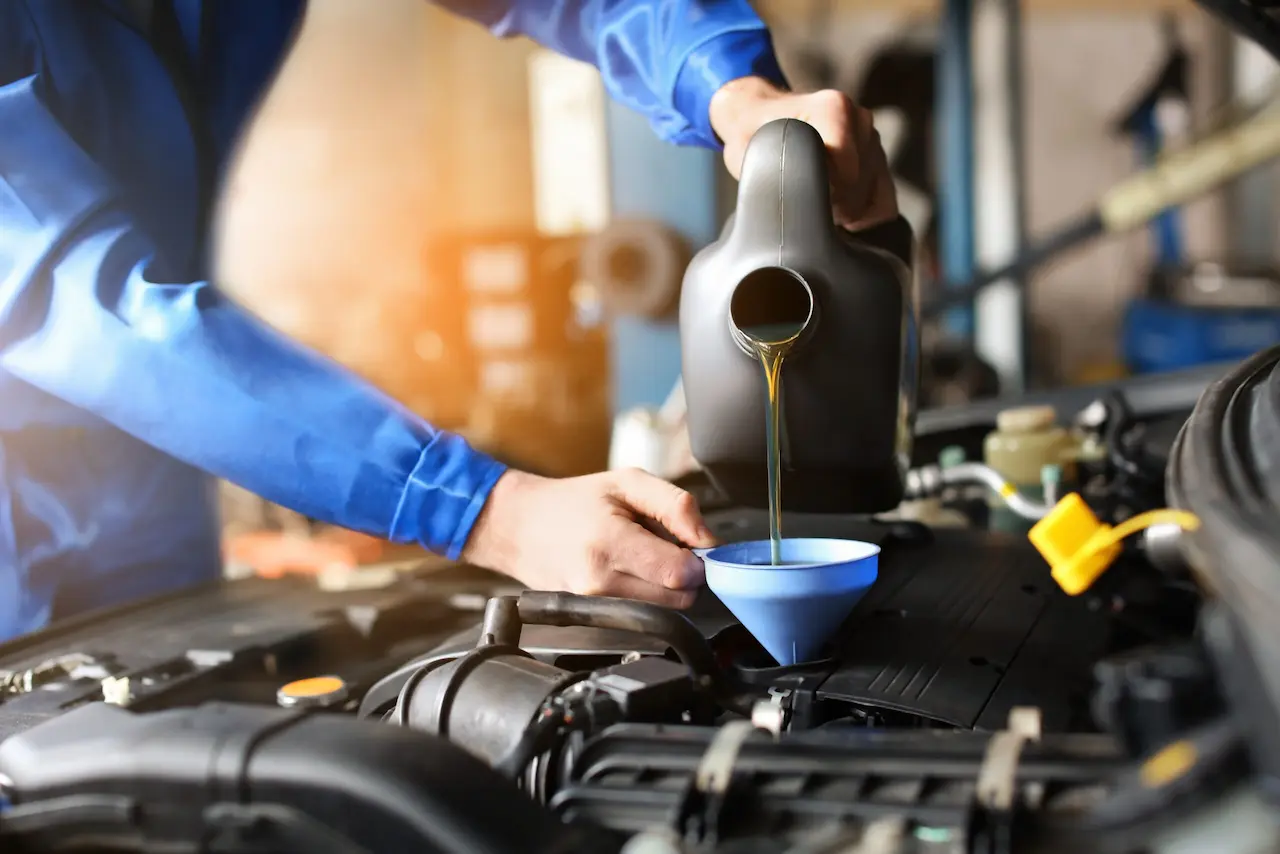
(849, 381)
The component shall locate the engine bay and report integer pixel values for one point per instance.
(966, 704)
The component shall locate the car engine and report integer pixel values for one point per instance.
(966, 705)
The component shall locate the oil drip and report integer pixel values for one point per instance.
(771, 342)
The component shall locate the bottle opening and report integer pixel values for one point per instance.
(771, 304)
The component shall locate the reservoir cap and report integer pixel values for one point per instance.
(316, 692)
(1026, 419)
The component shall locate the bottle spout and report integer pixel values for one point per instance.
(771, 305)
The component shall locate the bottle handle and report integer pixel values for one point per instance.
(783, 195)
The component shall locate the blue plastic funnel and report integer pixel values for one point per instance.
(793, 608)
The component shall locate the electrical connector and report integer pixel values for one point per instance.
(1079, 547)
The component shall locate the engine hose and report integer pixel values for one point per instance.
(1161, 788)
(547, 608)
(541, 733)
(401, 711)
(993, 480)
(465, 664)
(930, 480)
(538, 738)
(1119, 419)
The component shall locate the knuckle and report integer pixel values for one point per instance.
(669, 577)
(684, 502)
(624, 479)
(598, 555)
(680, 599)
(834, 100)
(673, 574)
(595, 579)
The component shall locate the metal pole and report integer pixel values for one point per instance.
(1000, 311)
(954, 153)
(1252, 197)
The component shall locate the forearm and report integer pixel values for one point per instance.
(174, 364)
(665, 59)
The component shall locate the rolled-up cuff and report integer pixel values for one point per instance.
(444, 495)
(719, 60)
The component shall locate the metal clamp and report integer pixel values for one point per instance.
(698, 814)
(877, 836)
(716, 768)
(773, 714)
(997, 779)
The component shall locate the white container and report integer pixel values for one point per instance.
(638, 441)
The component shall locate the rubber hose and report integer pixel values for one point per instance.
(547, 608)
(981, 473)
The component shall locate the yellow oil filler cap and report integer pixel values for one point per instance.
(318, 692)
(1079, 548)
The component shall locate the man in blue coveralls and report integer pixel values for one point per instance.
(126, 379)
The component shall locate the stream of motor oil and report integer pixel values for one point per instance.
(771, 343)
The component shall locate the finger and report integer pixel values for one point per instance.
(733, 156)
(872, 162)
(629, 587)
(860, 165)
(669, 505)
(877, 200)
(881, 207)
(846, 181)
(635, 551)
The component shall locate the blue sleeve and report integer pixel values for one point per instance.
(175, 364)
(662, 58)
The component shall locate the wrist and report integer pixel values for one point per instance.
(734, 105)
(443, 494)
(740, 54)
(492, 543)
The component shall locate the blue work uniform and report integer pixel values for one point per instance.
(126, 379)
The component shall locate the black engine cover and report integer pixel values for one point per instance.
(959, 628)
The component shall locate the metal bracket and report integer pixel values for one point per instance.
(658, 840)
(773, 714)
(878, 836)
(716, 768)
(698, 814)
(997, 779)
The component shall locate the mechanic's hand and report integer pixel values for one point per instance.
(862, 191)
(588, 535)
